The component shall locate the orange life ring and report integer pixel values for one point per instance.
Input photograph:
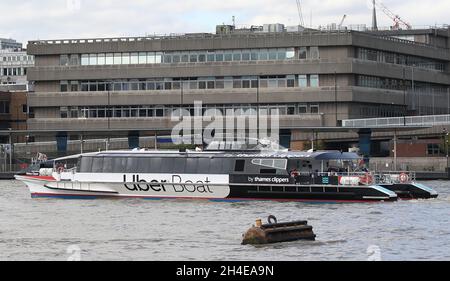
(404, 178)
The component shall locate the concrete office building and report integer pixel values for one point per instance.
(315, 78)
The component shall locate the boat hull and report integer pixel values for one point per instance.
(49, 187)
(412, 190)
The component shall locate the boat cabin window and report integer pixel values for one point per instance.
(68, 163)
(149, 165)
(97, 165)
(108, 165)
(280, 164)
(191, 165)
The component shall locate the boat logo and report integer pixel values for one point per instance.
(177, 185)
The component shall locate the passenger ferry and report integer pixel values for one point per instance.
(224, 172)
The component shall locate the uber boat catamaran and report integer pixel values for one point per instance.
(225, 172)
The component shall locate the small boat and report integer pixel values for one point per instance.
(226, 171)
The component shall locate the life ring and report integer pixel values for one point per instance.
(272, 219)
(404, 178)
(366, 179)
(295, 174)
(60, 169)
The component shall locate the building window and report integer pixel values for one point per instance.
(303, 81)
(74, 60)
(84, 59)
(109, 59)
(314, 53)
(302, 109)
(93, 59)
(290, 81)
(4, 107)
(64, 112)
(74, 86)
(64, 86)
(290, 53)
(433, 149)
(125, 58)
(314, 109)
(101, 59)
(314, 81)
(143, 58)
(64, 60)
(302, 53)
(117, 58)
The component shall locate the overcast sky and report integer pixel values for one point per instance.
(62, 19)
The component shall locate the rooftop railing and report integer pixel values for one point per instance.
(185, 36)
(250, 34)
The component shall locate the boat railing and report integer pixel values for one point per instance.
(354, 178)
(397, 177)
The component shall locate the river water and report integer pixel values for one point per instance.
(136, 229)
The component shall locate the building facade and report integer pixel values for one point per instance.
(10, 44)
(314, 78)
(13, 69)
(13, 114)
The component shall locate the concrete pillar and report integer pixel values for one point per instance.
(133, 140)
(365, 136)
(61, 143)
(285, 138)
(81, 144)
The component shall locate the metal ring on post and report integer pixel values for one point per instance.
(272, 219)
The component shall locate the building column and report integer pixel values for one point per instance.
(61, 143)
(285, 138)
(365, 136)
(133, 140)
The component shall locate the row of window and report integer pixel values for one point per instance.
(201, 83)
(381, 111)
(169, 111)
(23, 58)
(13, 71)
(395, 58)
(172, 165)
(191, 56)
(398, 84)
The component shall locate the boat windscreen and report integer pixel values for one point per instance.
(245, 145)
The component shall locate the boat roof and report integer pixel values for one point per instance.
(316, 155)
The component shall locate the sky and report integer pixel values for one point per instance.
(66, 19)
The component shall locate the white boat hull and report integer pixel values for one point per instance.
(50, 187)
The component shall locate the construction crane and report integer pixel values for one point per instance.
(342, 22)
(300, 13)
(396, 18)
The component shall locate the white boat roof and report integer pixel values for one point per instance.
(317, 155)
